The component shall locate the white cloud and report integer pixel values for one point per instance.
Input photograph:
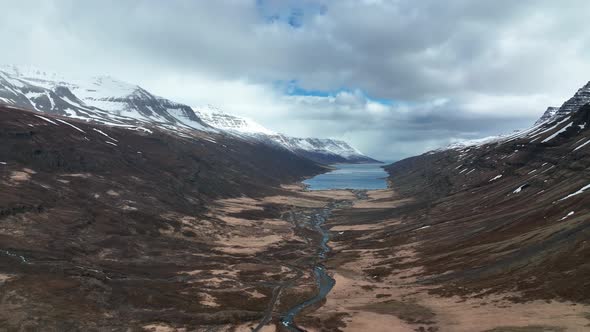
(452, 69)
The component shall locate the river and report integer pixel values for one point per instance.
(324, 282)
(358, 179)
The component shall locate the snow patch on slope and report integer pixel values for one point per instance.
(215, 117)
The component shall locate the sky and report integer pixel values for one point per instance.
(394, 78)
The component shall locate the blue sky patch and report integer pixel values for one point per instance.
(291, 13)
(292, 88)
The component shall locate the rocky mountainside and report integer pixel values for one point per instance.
(510, 213)
(573, 104)
(581, 98)
(109, 101)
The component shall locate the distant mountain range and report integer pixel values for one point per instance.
(109, 101)
(318, 149)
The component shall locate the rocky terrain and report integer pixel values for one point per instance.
(110, 101)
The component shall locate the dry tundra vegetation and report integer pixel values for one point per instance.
(163, 233)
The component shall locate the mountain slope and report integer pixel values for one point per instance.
(109, 101)
(510, 214)
(109, 228)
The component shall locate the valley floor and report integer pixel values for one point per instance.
(375, 261)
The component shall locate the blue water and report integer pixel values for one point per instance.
(324, 281)
(347, 176)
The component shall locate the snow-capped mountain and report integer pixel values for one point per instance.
(109, 101)
(554, 120)
(99, 99)
(319, 149)
(322, 149)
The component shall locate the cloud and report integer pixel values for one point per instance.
(395, 77)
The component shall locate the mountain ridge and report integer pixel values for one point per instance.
(106, 100)
(325, 150)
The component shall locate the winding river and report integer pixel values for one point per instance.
(325, 283)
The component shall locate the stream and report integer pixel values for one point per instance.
(324, 281)
(314, 219)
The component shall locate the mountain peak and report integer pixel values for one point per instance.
(549, 113)
(581, 98)
(101, 99)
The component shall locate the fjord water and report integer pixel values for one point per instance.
(350, 176)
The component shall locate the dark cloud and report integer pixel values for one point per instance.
(495, 64)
